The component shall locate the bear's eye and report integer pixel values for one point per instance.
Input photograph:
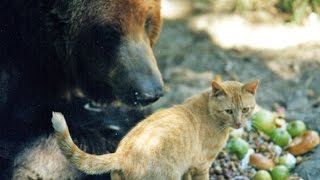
(147, 25)
(228, 111)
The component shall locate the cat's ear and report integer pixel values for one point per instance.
(217, 78)
(217, 89)
(251, 87)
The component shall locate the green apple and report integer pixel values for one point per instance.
(263, 120)
(280, 137)
(262, 175)
(238, 146)
(295, 128)
(280, 172)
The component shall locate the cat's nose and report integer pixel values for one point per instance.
(238, 124)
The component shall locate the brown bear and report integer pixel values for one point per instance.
(78, 57)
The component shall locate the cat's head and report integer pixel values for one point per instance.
(232, 103)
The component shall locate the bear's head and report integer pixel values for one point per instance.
(108, 47)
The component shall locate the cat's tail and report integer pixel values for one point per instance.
(88, 163)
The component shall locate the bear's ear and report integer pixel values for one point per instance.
(251, 87)
(217, 89)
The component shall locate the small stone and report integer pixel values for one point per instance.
(299, 159)
(211, 171)
(222, 154)
(263, 147)
(264, 136)
(217, 170)
(233, 166)
(311, 93)
(220, 178)
(294, 178)
(228, 174)
(234, 157)
(245, 135)
(237, 133)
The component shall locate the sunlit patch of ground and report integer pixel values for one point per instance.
(284, 46)
(235, 31)
(175, 9)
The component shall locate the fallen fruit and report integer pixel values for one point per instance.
(262, 175)
(261, 162)
(280, 122)
(296, 128)
(280, 137)
(238, 146)
(304, 143)
(288, 160)
(280, 172)
(263, 120)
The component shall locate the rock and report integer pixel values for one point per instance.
(218, 170)
(311, 168)
(240, 178)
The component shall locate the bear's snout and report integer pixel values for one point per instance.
(137, 80)
(150, 92)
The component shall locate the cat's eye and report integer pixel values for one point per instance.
(228, 111)
(245, 110)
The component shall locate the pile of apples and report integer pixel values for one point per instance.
(292, 139)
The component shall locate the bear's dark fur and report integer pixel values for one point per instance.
(58, 55)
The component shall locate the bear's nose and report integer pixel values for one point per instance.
(148, 97)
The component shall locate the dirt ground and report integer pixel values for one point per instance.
(189, 60)
(289, 76)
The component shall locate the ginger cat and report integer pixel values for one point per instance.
(176, 143)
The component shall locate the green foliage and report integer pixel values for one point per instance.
(286, 5)
(315, 4)
(299, 9)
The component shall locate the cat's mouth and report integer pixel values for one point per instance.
(238, 125)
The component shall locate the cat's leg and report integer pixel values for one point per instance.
(159, 175)
(200, 174)
(187, 176)
(117, 175)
